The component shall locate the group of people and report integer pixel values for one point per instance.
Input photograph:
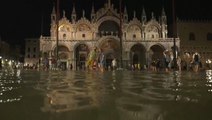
(192, 61)
(97, 60)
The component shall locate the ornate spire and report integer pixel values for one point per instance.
(125, 10)
(73, 10)
(53, 15)
(83, 13)
(53, 10)
(163, 12)
(109, 3)
(153, 16)
(64, 13)
(92, 10)
(163, 17)
(73, 15)
(143, 12)
(143, 16)
(134, 14)
(125, 14)
(92, 13)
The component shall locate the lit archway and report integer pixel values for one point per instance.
(111, 49)
(138, 54)
(81, 53)
(156, 52)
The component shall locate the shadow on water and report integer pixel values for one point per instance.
(110, 95)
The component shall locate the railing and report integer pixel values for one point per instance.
(99, 35)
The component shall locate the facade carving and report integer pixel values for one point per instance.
(142, 40)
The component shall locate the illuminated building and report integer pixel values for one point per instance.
(142, 40)
(196, 36)
(31, 58)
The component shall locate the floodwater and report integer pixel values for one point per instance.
(112, 95)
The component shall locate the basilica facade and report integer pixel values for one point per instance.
(135, 41)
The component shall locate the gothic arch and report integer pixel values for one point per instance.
(83, 27)
(63, 52)
(107, 18)
(61, 44)
(153, 30)
(111, 48)
(81, 52)
(138, 54)
(156, 51)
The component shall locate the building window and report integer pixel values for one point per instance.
(64, 36)
(153, 36)
(83, 35)
(191, 36)
(28, 50)
(34, 49)
(209, 36)
(134, 36)
(28, 56)
(34, 56)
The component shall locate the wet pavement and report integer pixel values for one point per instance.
(110, 95)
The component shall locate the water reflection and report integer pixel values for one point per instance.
(111, 95)
(77, 90)
(10, 84)
(209, 80)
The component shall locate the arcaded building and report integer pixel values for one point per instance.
(141, 40)
(196, 36)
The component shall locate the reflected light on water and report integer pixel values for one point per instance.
(209, 75)
(10, 83)
(209, 80)
(112, 95)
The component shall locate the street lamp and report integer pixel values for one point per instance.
(0, 62)
(57, 32)
(174, 34)
(120, 33)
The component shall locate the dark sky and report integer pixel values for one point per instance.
(22, 19)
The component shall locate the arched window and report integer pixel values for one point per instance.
(191, 36)
(209, 36)
(83, 35)
(134, 36)
(64, 36)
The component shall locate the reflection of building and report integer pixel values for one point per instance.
(70, 93)
(143, 39)
(196, 36)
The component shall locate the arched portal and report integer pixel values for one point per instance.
(156, 52)
(108, 28)
(138, 55)
(63, 56)
(111, 49)
(81, 53)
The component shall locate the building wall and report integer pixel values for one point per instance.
(32, 52)
(200, 43)
(5, 49)
(146, 38)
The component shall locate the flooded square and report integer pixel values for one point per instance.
(109, 95)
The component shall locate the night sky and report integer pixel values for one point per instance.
(22, 19)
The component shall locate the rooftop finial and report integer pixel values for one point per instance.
(109, 3)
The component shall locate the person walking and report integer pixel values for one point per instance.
(167, 60)
(196, 61)
(114, 64)
(102, 61)
(179, 63)
(92, 57)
